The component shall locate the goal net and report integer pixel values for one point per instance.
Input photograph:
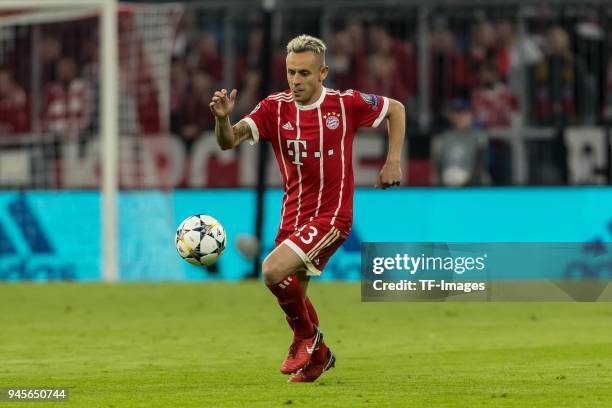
(78, 122)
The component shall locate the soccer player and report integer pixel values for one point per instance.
(311, 130)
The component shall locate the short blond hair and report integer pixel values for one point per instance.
(305, 42)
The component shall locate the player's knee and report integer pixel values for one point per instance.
(272, 271)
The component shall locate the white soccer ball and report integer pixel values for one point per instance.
(200, 240)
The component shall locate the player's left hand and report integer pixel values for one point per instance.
(390, 175)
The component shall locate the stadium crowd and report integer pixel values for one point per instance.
(559, 71)
(566, 69)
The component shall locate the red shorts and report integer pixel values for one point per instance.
(315, 242)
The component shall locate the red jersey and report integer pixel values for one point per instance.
(493, 107)
(68, 110)
(313, 146)
(14, 112)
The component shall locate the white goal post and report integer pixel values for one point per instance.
(86, 84)
(109, 135)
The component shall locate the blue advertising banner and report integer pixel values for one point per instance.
(49, 236)
(56, 235)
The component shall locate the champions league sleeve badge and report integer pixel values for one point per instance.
(371, 100)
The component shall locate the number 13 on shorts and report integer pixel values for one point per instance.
(315, 242)
(312, 232)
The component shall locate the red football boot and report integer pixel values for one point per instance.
(300, 352)
(312, 370)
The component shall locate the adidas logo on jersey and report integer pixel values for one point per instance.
(287, 126)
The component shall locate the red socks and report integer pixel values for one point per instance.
(290, 297)
(311, 313)
(319, 356)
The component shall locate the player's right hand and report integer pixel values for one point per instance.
(222, 104)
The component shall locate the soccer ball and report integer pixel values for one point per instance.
(200, 240)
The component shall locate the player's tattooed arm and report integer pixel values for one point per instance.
(229, 136)
(242, 132)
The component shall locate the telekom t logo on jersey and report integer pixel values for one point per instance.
(297, 149)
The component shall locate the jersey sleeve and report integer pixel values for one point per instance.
(368, 109)
(259, 120)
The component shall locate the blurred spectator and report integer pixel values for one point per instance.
(554, 79)
(391, 66)
(206, 57)
(449, 73)
(90, 72)
(91, 60)
(248, 94)
(347, 57)
(339, 60)
(589, 56)
(184, 32)
(514, 55)
(14, 112)
(358, 49)
(482, 51)
(147, 97)
(139, 94)
(67, 108)
(179, 84)
(492, 102)
(505, 39)
(250, 59)
(50, 52)
(195, 116)
(485, 38)
(381, 77)
(459, 155)
(279, 73)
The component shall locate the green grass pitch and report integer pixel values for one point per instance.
(221, 344)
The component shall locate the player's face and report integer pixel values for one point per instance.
(305, 75)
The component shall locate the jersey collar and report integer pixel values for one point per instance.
(313, 105)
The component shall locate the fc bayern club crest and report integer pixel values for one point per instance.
(332, 120)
